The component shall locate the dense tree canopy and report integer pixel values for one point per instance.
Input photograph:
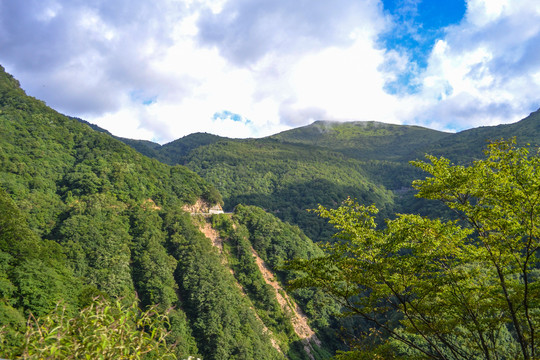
(327, 161)
(82, 216)
(464, 289)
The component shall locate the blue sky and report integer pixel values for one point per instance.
(417, 25)
(248, 68)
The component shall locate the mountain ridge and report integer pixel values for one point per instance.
(84, 215)
(527, 128)
(325, 162)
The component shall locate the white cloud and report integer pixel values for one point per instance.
(161, 70)
(480, 73)
(344, 82)
(277, 90)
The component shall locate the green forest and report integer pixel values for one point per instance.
(443, 289)
(339, 241)
(87, 222)
(325, 162)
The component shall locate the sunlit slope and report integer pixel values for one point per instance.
(365, 140)
(325, 162)
(87, 215)
(285, 179)
(470, 144)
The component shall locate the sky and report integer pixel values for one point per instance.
(159, 70)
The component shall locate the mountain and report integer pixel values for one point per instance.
(365, 140)
(84, 215)
(325, 162)
(182, 147)
(469, 144)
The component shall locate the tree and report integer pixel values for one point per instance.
(462, 289)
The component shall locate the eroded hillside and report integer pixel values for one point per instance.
(84, 216)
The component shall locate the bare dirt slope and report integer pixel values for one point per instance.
(213, 235)
(217, 241)
(298, 318)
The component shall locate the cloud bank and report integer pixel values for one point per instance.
(247, 68)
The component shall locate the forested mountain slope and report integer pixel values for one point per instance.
(84, 215)
(469, 144)
(325, 162)
(365, 140)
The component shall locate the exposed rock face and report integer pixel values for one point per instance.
(149, 204)
(298, 318)
(203, 208)
(216, 209)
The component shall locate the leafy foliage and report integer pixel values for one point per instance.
(220, 317)
(325, 162)
(82, 215)
(285, 179)
(445, 289)
(104, 330)
(248, 275)
(277, 243)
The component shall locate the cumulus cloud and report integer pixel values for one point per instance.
(160, 70)
(299, 116)
(483, 71)
(82, 56)
(245, 30)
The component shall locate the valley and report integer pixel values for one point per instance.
(202, 229)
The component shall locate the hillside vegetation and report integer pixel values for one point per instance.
(88, 223)
(84, 216)
(326, 162)
(438, 289)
